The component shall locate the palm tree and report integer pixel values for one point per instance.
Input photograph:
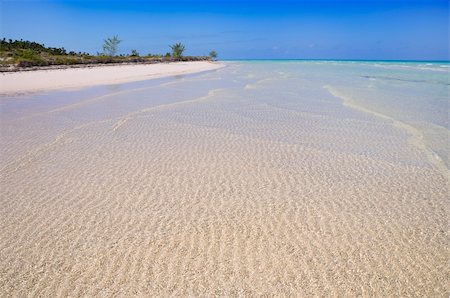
(177, 50)
(110, 45)
(213, 55)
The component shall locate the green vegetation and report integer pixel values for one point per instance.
(213, 55)
(134, 53)
(17, 54)
(110, 45)
(177, 50)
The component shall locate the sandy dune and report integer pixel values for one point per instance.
(41, 80)
(240, 182)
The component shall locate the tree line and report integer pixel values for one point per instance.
(12, 45)
(25, 53)
(111, 44)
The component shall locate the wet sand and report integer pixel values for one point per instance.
(247, 181)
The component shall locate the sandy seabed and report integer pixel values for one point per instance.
(244, 181)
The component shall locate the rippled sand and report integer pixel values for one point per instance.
(250, 180)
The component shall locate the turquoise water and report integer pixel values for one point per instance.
(318, 104)
(414, 95)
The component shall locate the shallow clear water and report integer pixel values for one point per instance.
(412, 96)
(305, 178)
(412, 93)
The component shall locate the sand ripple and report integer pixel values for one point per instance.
(219, 190)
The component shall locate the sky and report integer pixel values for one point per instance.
(250, 29)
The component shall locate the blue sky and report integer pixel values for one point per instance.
(321, 29)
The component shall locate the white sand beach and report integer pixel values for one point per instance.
(41, 80)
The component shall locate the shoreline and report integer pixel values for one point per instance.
(64, 77)
(16, 69)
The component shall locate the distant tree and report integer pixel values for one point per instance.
(177, 50)
(168, 55)
(213, 55)
(134, 53)
(18, 45)
(110, 45)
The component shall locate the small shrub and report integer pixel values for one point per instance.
(134, 53)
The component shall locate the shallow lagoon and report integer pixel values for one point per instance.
(303, 178)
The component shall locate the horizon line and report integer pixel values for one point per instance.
(327, 59)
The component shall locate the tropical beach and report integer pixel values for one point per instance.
(229, 178)
(259, 182)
